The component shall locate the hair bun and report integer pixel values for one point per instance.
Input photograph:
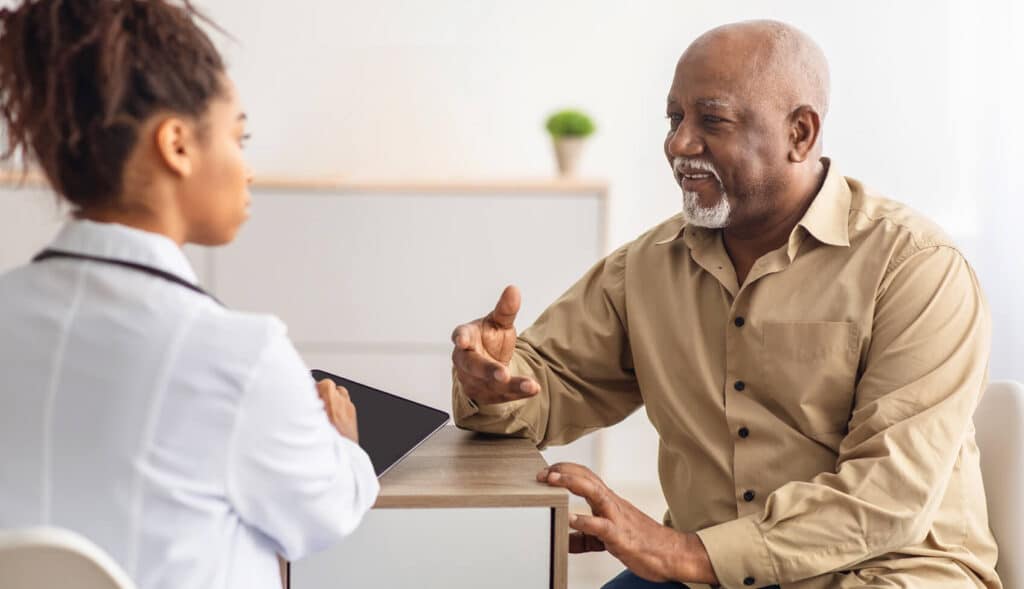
(78, 78)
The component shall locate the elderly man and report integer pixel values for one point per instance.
(811, 355)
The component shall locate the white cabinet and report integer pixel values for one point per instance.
(436, 549)
(401, 270)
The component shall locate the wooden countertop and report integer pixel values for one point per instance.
(455, 468)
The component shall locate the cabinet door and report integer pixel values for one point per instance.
(436, 549)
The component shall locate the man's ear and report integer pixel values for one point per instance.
(804, 133)
(176, 144)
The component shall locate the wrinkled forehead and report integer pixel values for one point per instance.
(708, 84)
(721, 72)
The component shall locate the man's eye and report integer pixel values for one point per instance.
(713, 119)
(244, 139)
(674, 119)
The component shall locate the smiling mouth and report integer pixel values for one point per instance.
(695, 177)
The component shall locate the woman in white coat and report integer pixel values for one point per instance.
(186, 439)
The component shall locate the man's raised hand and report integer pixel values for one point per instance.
(483, 349)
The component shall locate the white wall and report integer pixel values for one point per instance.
(460, 88)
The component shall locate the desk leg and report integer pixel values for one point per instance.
(560, 547)
(283, 566)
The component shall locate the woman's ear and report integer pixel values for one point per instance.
(804, 133)
(175, 142)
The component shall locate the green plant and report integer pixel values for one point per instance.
(569, 123)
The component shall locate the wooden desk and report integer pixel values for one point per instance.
(463, 510)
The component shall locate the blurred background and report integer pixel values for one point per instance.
(927, 103)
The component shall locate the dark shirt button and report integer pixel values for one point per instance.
(744, 432)
(748, 496)
(749, 581)
(739, 385)
(739, 321)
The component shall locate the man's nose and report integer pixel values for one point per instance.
(684, 142)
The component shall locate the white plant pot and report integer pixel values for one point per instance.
(567, 153)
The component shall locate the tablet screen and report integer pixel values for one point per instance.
(389, 426)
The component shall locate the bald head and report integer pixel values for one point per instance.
(745, 114)
(768, 59)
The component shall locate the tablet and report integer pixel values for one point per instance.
(390, 427)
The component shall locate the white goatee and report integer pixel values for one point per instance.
(714, 217)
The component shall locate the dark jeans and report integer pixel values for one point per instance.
(627, 580)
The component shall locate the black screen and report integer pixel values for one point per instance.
(389, 426)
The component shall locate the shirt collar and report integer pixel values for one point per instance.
(120, 242)
(827, 219)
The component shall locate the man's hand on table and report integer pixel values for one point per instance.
(483, 350)
(649, 549)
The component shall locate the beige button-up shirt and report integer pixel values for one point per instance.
(815, 422)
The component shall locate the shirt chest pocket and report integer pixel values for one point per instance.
(811, 372)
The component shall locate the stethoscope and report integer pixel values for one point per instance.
(52, 253)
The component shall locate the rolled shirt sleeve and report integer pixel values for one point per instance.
(290, 474)
(578, 351)
(924, 373)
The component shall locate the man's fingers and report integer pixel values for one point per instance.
(579, 486)
(580, 543)
(489, 390)
(504, 313)
(523, 387)
(476, 364)
(592, 490)
(464, 337)
(573, 468)
(343, 392)
(591, 525)
(479, 389)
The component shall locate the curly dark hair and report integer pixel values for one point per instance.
(79, 77)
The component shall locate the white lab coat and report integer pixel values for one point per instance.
(185, 439)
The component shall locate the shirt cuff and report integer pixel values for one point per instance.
(739, 554)
(466, 407)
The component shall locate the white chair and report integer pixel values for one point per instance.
(1000, 424)
(55, 558)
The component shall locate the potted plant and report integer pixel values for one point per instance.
(569, 128)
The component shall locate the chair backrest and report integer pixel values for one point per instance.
(52, 558)
(1000, 424)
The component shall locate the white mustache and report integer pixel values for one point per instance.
(680, 163)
